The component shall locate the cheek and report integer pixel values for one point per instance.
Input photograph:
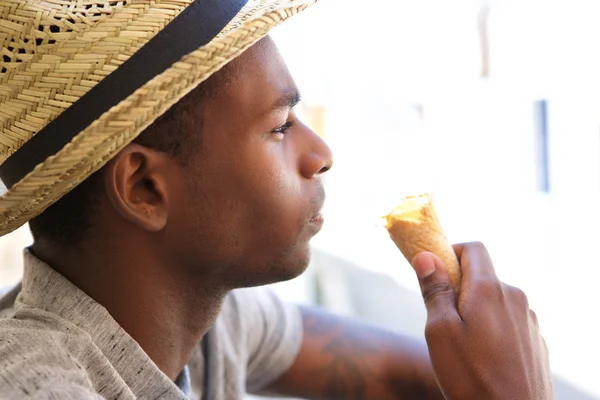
(209, 214)
(250, 206)
(278, 207)
(276, 195)
(245, 202)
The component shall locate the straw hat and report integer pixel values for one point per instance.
(80, 79)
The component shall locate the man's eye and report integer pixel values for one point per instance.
(283, 128)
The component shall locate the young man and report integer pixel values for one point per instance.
(132, 288)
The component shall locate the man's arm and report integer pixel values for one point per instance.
(345, 359)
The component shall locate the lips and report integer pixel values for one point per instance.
(317, 219)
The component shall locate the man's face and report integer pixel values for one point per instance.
(252, 196)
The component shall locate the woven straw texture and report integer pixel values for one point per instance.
(55, 51)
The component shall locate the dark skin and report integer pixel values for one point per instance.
(176, 238)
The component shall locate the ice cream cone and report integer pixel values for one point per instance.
(414, 227)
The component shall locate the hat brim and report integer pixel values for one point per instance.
(95, 145)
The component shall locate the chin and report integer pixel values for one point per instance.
(291, 270)
(281, 270)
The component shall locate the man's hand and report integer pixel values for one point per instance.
(485, 344)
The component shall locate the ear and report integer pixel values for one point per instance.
(136, 184)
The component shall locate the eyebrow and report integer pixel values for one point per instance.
(289, 99)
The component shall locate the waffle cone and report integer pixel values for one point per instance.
(414, 226)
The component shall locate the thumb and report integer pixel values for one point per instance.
(436, 285)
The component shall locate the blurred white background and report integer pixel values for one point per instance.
(492, 105)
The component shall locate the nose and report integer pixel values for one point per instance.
(318, 158)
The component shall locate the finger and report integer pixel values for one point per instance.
(516, 296)
(458, 249)
(545, 347)
(436, 287)
(534, 318)
(544, 350)
(476, 264)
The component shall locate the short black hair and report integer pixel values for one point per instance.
(67, 221)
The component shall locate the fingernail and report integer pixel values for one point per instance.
(424, 265)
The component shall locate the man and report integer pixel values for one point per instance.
(132, 286)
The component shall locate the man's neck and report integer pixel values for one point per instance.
(164, 311)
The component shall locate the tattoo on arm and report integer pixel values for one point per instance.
(341, 359)
(343, 364)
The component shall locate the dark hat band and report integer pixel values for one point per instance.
(193, 28)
